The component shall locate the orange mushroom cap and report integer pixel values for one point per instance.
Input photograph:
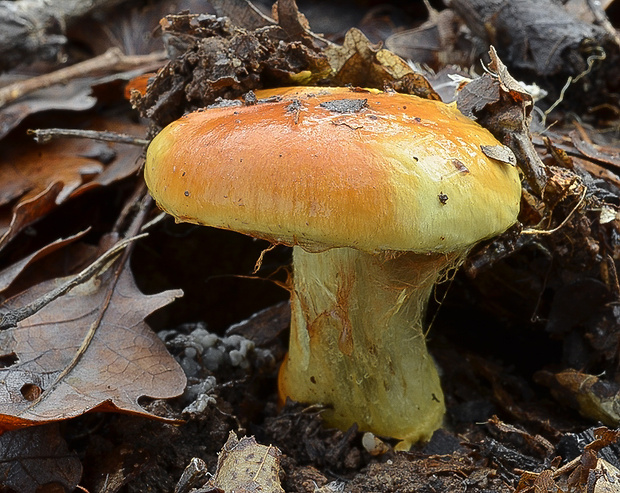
(335, 167)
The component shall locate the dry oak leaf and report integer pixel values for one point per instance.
(245, 466)
(87, 350)
(360, 63)
(33, 459)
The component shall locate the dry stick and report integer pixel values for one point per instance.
(533, 231)
(113, 59)
(135, 226)
(136, 207)
(601, 18)
(10, 318)
(45, 135)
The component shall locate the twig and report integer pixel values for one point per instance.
(157, 219)
(136, 208)
(10, 318)
(111, 60)
(599, 56)
(121, 263)
(532, 231)
(601, 18)
(44, 135)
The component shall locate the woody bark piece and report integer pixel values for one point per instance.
(35, 29)
(498, 102)
(537, 36)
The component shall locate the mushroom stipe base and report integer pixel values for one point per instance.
(357, 340)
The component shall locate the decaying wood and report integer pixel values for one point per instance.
(549, 44)
(35, 29)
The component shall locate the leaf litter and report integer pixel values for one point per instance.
(37, 179)
(89, 349)
(31, 458)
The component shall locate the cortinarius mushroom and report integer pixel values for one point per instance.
(378, 194)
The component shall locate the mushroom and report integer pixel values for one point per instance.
(379, 194)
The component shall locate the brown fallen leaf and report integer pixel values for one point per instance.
(593, 397)
(438, 42)
(360, 63)
(538, 483)
(27, 211)
(246, 466)
(499, 103)
(73, 96)
(293, 22)
(8, 275)
(34, 457)
(87, 350)
(242, 13)
(35, 179)
(27, 168)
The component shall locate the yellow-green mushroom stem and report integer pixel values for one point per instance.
(357, 340)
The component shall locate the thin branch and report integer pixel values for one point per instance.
(44, 135)
(111, 60)
(532, 231)
(10, 318)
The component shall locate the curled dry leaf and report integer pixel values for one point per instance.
(438, 42)
(34, 457)
(242, 13)
(360, 63)
(26, 168)
(26, 211)
(87, 350)
(8, 275)
(244, 465)
(194, 475)
(503, 106)
(593, 397)
(73, 96)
